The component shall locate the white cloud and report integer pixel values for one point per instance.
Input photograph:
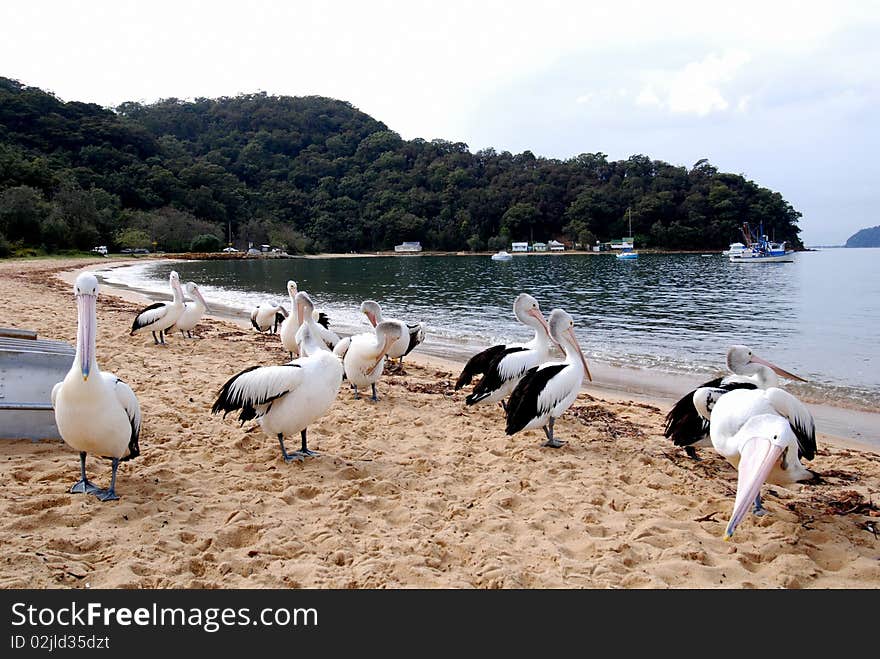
(697, 88)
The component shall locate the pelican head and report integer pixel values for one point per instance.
(742, 361)
(373, 312)
(765, 438)
(304, 306)
(86, 291)
(528, 312)
(387, 333)
(193, 291)
(291, 288)
(174, 280)
(562, 331)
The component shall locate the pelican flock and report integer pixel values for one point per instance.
(504, 365)
(95, 412)
(760, 429)
(684, 425)
(160, 316)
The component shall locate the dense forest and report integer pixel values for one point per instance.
(316, 174)
(869, 237)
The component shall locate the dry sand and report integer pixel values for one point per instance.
(415, 491)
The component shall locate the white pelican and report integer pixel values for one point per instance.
(95, 412)
(305, 309)
(748, 371)
(763, 433)
(288, 398)
(192, 311)
(411, 335)
(363, 355)
(546, 391)
(267, 317)
(160, 316)
(504, 365)
(291, 324)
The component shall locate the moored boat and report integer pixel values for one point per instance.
(502, 256)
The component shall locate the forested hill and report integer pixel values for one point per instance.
(313, 173)
(869, 237)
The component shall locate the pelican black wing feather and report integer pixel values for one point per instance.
(684, 425)
(491, 380)
(415, 332)
(523, 404)
(254, 322)
(806, 439)
(137, 323)
(478, 364)
(323, 320)
(229, 401)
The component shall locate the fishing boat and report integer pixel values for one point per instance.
(759, 249)
(502, 256)
(735, 249)
(627, 253)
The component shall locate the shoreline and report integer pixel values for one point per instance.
(415, 491)
(850, 427)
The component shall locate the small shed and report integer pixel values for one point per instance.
(556, 246)
(519, 247)
(539, 247)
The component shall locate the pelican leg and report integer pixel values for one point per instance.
(110, 493)
(357, 396)
(551, 442)
(189, 334)
(182, 334)
(83, 485)
(304, 452)
(757, 508)
(503, 404)
(155, 340)
(692, 453)
(374, 397)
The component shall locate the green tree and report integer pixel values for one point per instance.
(132, 238)
(206, 242)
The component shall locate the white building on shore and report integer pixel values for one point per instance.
(408, 247)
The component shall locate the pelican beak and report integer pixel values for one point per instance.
(202, 300)
(86, 304)
(300, 308)
(371, 317)
(757, 459)
(534, 313)
(779, 371)
(388, 341)
(577, 346)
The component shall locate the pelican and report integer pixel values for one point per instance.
(95, 412)
(411, 335)
(546, 391)
(504, 365)
(763, 434)
(267, 317)
(291, 324)
(192, 311)
(304, 308)
(748, 371)
(288, 398)
(160, 316)
(363, 355)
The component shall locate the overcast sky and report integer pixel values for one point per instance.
(785, 93)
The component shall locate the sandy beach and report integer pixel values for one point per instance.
(416, 491)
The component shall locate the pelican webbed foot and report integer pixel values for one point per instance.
(374, 398)
(551, 442)
(84, 486)
(106, 495)
(757, 508)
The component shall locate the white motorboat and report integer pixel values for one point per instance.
(502, 256)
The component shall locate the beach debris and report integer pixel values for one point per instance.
(611, 425)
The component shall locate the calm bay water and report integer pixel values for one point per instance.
(818, 317)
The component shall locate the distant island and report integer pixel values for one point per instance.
(313, 174)
(869, 237)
